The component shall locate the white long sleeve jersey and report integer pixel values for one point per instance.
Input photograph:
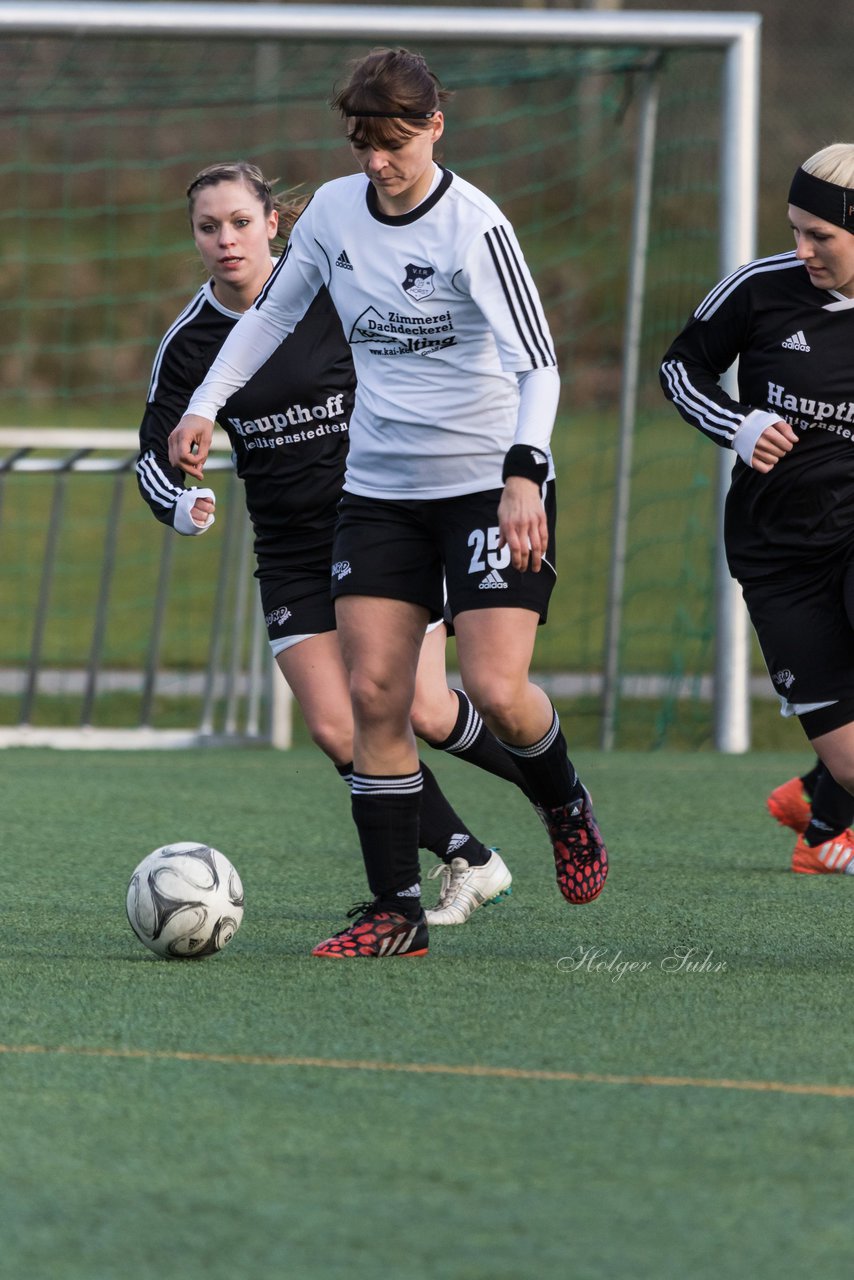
(441, 314)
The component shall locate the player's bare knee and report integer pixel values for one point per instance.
(332, 740)
(428, 725)
(501, 708)
(377, 701)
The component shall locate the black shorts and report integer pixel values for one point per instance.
(416, 550)
(295, 592)
(804, 617)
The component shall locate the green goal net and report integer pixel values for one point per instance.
(100, 138)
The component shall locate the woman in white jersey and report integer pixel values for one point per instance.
(449, 473)
(288, 427)
(789, 528)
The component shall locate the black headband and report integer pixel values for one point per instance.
(826, 200)
(393, 115)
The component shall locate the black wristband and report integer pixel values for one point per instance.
(524, 460)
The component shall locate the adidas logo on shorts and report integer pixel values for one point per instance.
(797, 342)
(493, 582)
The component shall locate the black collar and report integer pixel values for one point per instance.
(403, 219)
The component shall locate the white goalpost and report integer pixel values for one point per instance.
(240, 696)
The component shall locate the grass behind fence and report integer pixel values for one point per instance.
(503, 1108)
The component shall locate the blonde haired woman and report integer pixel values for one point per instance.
(789, 527)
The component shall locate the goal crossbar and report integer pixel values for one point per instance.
(321, 21)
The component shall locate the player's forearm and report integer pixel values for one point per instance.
(696, 392)
(539, 392)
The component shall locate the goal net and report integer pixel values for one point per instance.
(619, 144)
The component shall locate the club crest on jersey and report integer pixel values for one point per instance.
(418, 282)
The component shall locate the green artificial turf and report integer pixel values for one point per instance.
(655, 1085)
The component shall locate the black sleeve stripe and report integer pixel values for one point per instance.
(328, 262)
(189, 313)
(710, 417)
(277, 268)
(721, 291)
(280, 262)
(521, 303)
(503, 282)
(157, 486)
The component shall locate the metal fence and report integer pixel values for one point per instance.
(233, 690)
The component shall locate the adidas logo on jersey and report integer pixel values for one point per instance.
(493, 582)
(343, 261)
(797, 342)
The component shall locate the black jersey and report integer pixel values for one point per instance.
(794, 345)
(288, 426)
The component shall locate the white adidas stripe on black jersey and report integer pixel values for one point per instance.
(714, 417)
(156, 485)
(186, 317)
(718, 295)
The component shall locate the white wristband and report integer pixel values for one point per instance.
(184, 522)
(749, 430)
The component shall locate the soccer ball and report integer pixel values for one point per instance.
(185, 901)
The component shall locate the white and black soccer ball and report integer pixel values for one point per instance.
(185, 900)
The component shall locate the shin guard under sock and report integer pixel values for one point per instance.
(386, 813)
(442, 830)
(832, 808)
(473, 742)
(549, 774)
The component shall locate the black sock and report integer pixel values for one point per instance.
(386, 811)
(473, 742)
(809, 781)
(832, 807)
(442, 830)
(549, 774)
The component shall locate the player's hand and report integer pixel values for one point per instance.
(202, 509)
(522, 523)
(774, 443)
(189, 444)
(194, 512)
